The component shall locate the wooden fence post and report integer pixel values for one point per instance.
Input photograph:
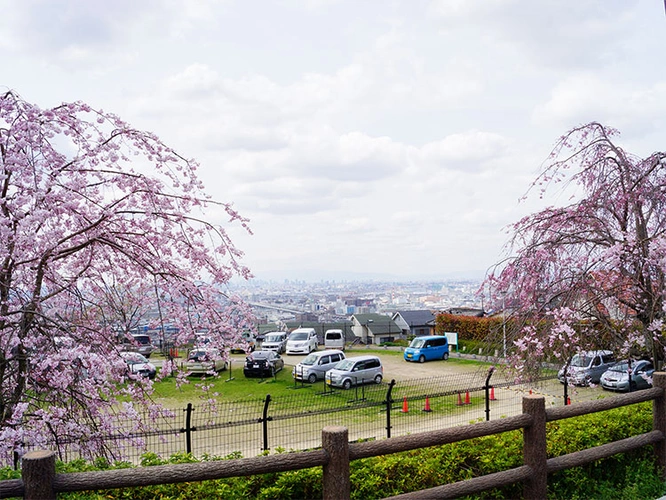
(659, 421)
(38, 472)
(534, 448)
(335, 442)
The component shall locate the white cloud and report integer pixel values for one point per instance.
(466, 150)
(582, 98)
(390, 137)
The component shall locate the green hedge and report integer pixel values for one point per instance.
(467, 327)
(626, 476)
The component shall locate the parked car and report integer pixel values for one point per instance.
(302, 341)
(586, 367)
(138, 364)
(427, 348)
(203, 360)
(275, 341)
(140, 343)
(263, 364)
(355, 371)
(334, 339)
(316, 364)
(618, 376)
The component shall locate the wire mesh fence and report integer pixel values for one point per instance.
(294, 421)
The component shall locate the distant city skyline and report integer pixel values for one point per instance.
(319, 275)
(376, 140)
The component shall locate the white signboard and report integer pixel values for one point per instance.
(452, 338)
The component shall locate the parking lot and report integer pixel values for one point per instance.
(395, 367)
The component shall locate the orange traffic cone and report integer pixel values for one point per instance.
(427, 404)
(467, 401)
(492, 394)
(459, 403)
(405, 408)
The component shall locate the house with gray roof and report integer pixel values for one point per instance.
(375, 328)
(415, 323)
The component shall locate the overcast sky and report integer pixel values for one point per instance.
(362, 138)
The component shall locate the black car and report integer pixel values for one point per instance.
(262, 364)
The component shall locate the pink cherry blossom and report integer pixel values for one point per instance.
(590, 273)
(100, 225)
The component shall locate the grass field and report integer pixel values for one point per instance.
(234, 386)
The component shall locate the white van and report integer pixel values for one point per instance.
(316, 364)
(334, 339)
(302, 341)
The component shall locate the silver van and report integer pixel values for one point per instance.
(356, 371)
(275, 341)
(140, 343)
(316, 364)
(334, 339)
(586, 367)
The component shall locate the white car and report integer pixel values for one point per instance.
(302, 341)
(204, 360)
(138, 364)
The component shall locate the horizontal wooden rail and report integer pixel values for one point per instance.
(437, 437)
(180, 473)
(11, 488)
(603, 451)
(597, 405)
(469, 486)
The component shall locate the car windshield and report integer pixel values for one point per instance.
(273, 338)
(200, 354)
(309, 360)
(298, 336)
(345, 365)
(581, 361)
(135, 358)
(417, 343)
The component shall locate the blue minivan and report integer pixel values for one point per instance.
(427, 348)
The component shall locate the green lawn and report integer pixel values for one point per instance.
(234, 386)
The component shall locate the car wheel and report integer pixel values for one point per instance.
(378, 379)
(346, 384)
(421, 358)
(312, 378)
(446, 356)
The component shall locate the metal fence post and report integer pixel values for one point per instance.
(264, 421)
(389, 405)
(659, 421)
(188, 427)
(336, 482)
(534, 448)
(38, 472)
(490, 374)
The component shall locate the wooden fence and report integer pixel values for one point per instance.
(41, 482)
